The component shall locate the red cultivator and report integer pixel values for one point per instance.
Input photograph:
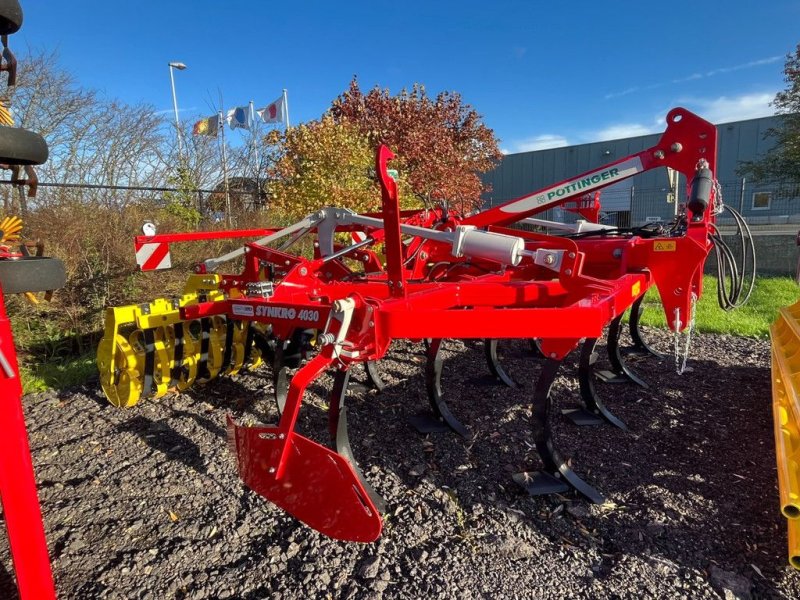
(443, 277)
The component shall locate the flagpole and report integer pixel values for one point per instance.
(255, 148)
(225, 170)
(286, 108)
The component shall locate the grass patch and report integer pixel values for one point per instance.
(751, 320)
(57, 374)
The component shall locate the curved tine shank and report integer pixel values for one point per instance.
(620, 372)
(495, 367)
(595, 412)
(640, 346)
(280, 378)
(374, 375)
(556, 476)
(337, 427)
(442, 419)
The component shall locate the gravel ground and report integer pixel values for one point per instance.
(146, 503)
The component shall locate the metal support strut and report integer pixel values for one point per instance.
(337, 427)
(442, 419)
(595, 412)
(557, 476)
(620, 372)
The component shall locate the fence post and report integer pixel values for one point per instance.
(741, 195)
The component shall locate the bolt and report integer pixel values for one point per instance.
(246, 249)
(399, 284)
(617, 253)
(303, 271)
(224, 282)
(659, 154)
(316, 244)
(372, 323)
(423, 256)
(676, 147)
(391, 283)
(549, 259)
(571, 255)
(678, 291)
(287, 263)
(567, 271)
(552, 355)
(366, 258)
(281, 436)
(272, 470)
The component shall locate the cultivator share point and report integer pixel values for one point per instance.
(424, 275)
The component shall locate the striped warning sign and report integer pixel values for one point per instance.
(153, 256)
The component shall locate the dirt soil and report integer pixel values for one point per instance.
(146, 502)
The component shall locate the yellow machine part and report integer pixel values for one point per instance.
(785, 334)
(122, 356)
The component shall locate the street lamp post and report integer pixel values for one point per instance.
(180, 66)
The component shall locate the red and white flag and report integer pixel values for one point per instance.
(273, 113)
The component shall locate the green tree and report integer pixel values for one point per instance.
(783, 160)
(323, 163)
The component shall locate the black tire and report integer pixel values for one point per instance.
(10, 17)
(21, 147)
(31, 274)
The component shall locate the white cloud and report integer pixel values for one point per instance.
(619, 131)
(539, 142)
(732, 108)
(722, 109)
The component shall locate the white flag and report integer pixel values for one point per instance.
(238, 117)
(272, 113)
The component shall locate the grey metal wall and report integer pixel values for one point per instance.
(522, 173)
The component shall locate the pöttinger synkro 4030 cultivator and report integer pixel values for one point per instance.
(443, 277)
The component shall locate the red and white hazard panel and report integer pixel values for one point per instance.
(153, 256)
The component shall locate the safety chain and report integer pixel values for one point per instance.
(682, 357)
(719, 206)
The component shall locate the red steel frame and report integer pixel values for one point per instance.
(426, 292)
(17, 483)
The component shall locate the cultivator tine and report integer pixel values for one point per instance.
(620, 372)
(495, 366)
(374, 378)
(149, 362)
(309, 481)
(203, 371)
(442, 419)
(595, 412)
(557, 476)
(640, 346)
(280, 377)
(337, 425)
(227, 352)
(177, 364)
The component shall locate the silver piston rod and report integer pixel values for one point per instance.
(466, 240)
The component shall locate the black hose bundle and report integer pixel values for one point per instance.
(731, 274)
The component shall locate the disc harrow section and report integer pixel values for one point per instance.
(433, 276)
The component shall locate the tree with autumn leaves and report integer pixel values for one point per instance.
(441, 145)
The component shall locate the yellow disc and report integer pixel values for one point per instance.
(119, 377)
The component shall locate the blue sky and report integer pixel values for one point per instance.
(542, 74)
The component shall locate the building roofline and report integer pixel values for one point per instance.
(636, 137)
